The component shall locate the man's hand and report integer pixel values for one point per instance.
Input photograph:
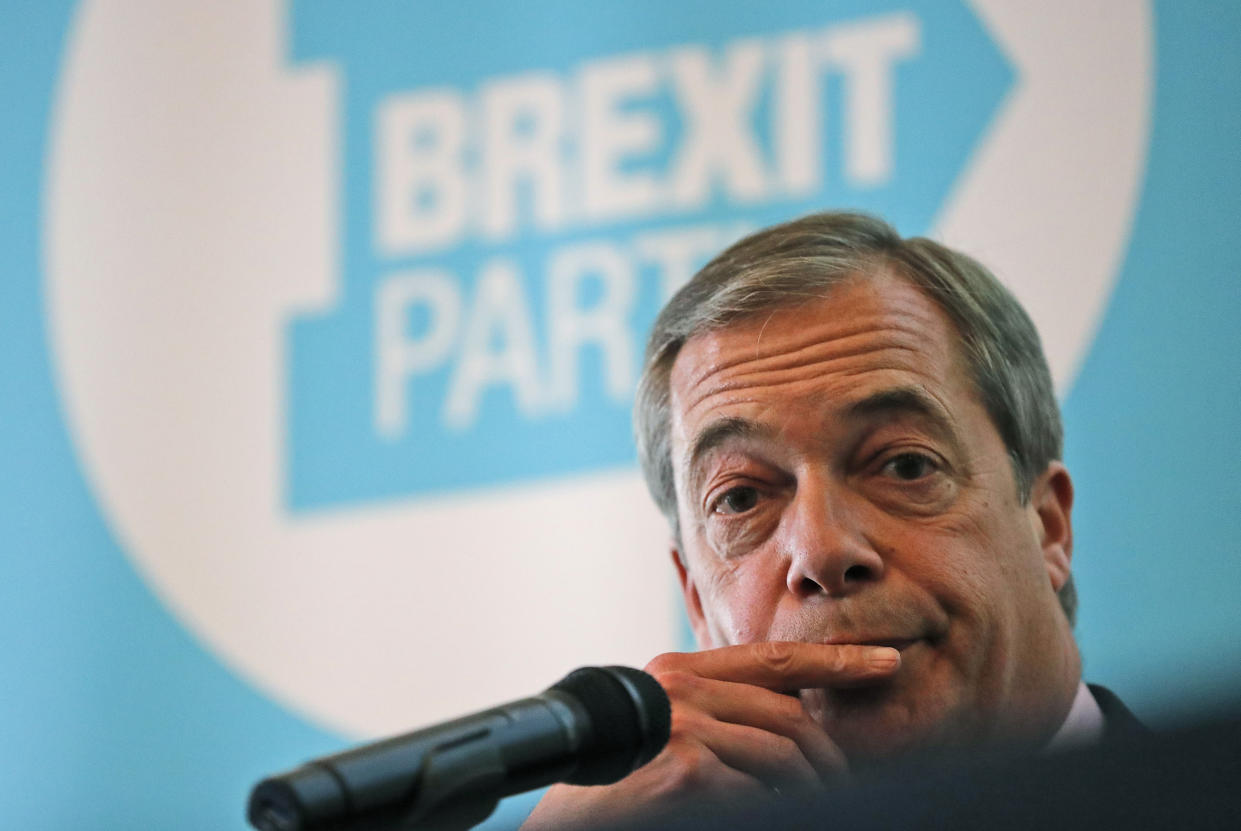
(736, 734)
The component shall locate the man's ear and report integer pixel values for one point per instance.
(1051, 498)
(693, 603)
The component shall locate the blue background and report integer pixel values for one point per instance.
(114, 717)
(336, 456)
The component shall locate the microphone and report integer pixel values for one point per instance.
(594, 727)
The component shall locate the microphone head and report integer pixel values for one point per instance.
(630, 719)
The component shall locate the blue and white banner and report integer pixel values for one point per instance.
(322, 321)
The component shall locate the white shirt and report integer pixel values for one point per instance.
(1083, 725)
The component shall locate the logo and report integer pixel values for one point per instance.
(347, 306)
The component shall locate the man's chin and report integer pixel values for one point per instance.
(877, 723)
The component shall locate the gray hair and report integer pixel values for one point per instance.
(786, 264)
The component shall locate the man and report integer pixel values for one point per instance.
(856, 443)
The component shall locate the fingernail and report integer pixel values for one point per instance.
(883, 657)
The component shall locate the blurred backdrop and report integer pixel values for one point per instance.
(320, 324)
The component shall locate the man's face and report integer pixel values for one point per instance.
(839, 481)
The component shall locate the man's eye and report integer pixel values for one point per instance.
(910, 466)
(737, 500)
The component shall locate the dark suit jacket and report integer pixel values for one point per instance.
(1118, 722)
(1133, 779)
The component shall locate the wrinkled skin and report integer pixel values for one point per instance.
(845, 501)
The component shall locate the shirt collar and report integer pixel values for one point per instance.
(1082, 726)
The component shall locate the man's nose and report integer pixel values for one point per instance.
(827, 550)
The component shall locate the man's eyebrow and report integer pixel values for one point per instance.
(719, 433)
(897, 400)
(891, 401)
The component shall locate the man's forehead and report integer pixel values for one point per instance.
(869, 348)
(898, 401)
(875, 320)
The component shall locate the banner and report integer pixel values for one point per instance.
(323, 322)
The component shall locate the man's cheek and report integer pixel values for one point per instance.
(743, 617)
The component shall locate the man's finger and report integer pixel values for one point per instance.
(785, 665)
(746, 704)
(774, 759)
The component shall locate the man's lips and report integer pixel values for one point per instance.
(899, 643)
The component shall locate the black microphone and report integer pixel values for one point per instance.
(594, 727)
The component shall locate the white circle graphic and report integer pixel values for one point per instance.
(190, 214)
